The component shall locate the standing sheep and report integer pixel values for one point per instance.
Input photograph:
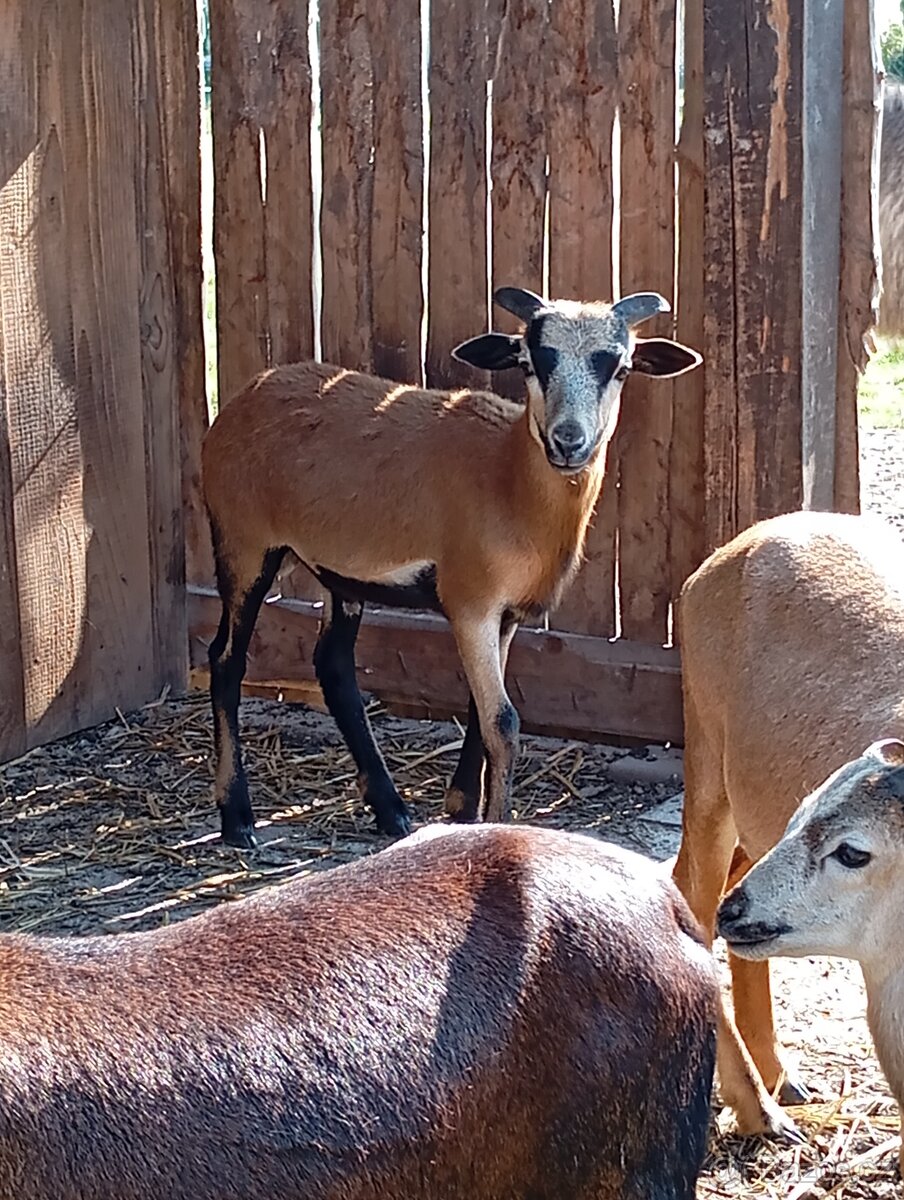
(461, 502)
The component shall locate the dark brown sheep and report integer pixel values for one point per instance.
(486, 1012)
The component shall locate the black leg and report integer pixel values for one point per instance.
(334, 662)
(465, 790)
(228, 655)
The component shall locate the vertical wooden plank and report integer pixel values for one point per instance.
(285, 120)
(823, 42)
(457, 207)
(687, 545)
(100, 151)
(752, 68)
(347, 76)
(859, 283)
(646, 44)
(518, 159)
(238, 210)
(581, 95)
(18, 136)
(160, 365)
(178, 87)
(581, 98)
(41, 401)
(398, 193)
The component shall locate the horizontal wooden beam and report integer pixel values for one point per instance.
(565, 683)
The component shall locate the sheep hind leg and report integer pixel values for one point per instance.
(465, 791)
(334, 663)
(242, 599)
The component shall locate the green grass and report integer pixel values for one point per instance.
(881, 394)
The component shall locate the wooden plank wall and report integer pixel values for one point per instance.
(567, 174)
(92, 594)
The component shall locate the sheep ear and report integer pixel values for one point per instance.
(520, 302)
(663, 357)
(640, 307)
(889, 751)
(490, 351)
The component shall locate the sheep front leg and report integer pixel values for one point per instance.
(466, 788)
(480, 645)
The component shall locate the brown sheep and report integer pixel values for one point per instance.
(461, 502)
(834, 884)
(789, 641)
(475, 1014)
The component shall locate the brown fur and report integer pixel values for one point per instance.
(481, 1013)
(516, 527)
(792, 642)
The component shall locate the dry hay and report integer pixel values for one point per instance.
(112, 829)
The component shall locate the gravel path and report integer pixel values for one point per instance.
(882, 473)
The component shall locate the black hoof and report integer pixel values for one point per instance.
(240, 836)
(394, 824)
(464, 816)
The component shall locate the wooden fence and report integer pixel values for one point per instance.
(99, 289)
(459, 144)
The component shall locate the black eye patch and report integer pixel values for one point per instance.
(545, 360)
(604, 365)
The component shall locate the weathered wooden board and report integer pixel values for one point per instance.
(243, 321)
(557, 680)
(687, 538)
(457, 284)
(159, 321)
(178, 90)
(646, 57)
(347, 88)
(753, 154)
(581, 98)
(518, 160)
(89, 453)
(858, 275)
(397, 248)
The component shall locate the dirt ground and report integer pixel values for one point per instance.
(113, 829)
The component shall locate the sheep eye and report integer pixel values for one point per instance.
(621, 374)
(850, 857)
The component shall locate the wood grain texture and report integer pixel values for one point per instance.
(398, 200)
(518, 159)
(859, 282)
(178, 89)
(687, 537)
(346, 82)
(558, 681)
(581, 99)
(285, 122)
(243, 322)
(457, 284)
(160, 346)
(18, 136)
(646, 56)
(753, 70)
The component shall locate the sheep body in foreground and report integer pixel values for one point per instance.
(475, 1013)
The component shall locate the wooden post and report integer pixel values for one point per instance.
(859, 282)
(822, 138)
(753, 228)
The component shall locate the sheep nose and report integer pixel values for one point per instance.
(568, 440)
(733, 907)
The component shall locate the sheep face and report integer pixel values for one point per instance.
(831, 885)
(576, 358)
